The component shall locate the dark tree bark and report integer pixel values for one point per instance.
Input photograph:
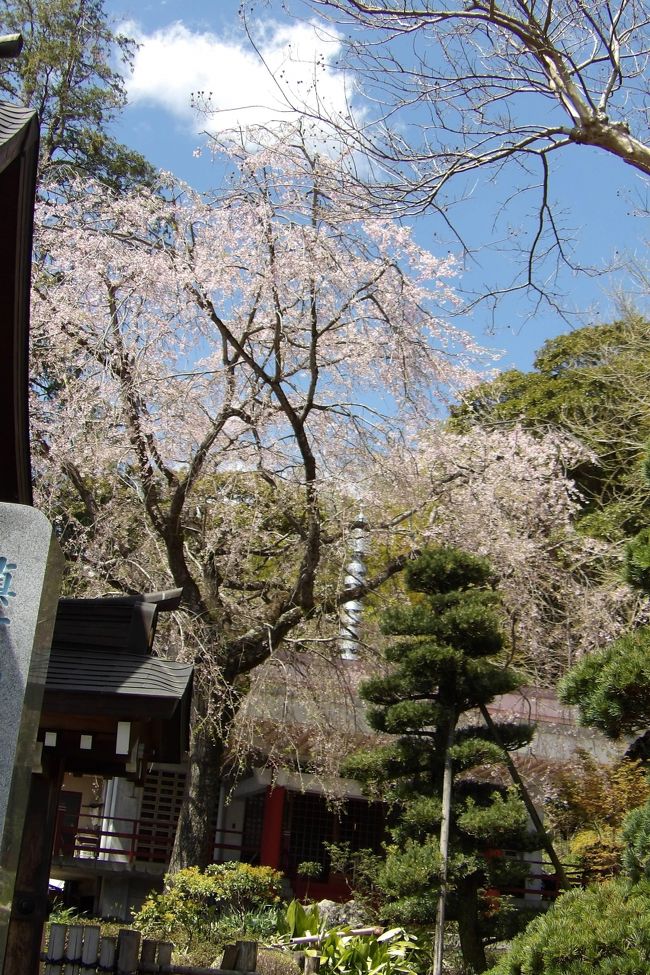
(471, 942)
(194, 840)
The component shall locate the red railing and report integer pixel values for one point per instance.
(541, 883)
(124, 840)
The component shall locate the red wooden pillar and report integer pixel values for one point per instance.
(271, 845)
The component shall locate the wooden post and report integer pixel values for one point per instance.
(90, 953)
(148, 953)
(229, 959)
(73, 951)
(29, 908)
(312, 964)
(246, 956)
(107, 954)
(164, 954)
(128, 950)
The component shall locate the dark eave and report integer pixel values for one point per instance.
(126, 685)
(18, 162)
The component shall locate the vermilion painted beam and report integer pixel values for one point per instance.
(271, 845)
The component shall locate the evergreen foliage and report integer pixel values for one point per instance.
(445, 664)
(611, 688)
(603, 930)
(636, 839)
(67, 73)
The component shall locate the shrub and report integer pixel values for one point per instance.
(603, 930)
(231, 897)
(636, 837)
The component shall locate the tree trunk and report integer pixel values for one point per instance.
(445, 822)
(194, 840)
(471, 942)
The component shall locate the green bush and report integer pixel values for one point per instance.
(603, 930)
(636, 839)
(226, 899)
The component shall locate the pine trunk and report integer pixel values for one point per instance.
(471, 942)
(445, 823)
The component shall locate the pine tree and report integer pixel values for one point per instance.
(70, 71)
(611, 687)
(446, 664)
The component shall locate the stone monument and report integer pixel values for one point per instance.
(30, 572)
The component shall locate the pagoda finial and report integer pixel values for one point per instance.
(351, 610)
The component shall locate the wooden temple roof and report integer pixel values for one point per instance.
(102, 673)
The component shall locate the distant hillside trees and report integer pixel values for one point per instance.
(592, 384)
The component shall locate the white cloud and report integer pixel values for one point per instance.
(294, 61)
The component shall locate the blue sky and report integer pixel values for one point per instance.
(200, 45)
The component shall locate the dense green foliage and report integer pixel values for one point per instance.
(67, 73)
(636, 839)
(446, 663)
(610, 687)
(637, 560)
(603, 930)
(211, 904)
(592, 384)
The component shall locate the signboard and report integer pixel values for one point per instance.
(30, 572)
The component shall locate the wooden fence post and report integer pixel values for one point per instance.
(128, 949)
(73, 951)
(148, 954)
(229, 959)
(90, 951)
(107, 954)
(246, 956)
(55, 949)
(164, 954)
